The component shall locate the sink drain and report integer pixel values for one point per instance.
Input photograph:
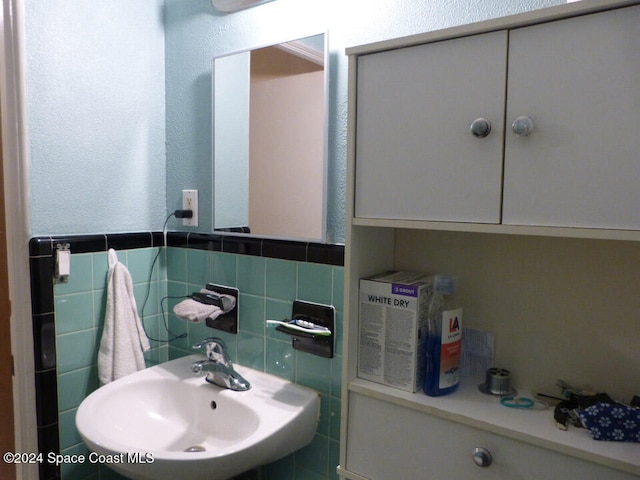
(195, 449)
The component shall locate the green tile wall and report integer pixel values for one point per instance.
(79, 312)
(267, 290)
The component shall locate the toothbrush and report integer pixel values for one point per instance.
(302, 326)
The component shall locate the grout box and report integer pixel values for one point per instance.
(392, 328)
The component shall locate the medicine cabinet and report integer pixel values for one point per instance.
(270, 140)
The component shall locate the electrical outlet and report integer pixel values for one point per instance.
(190, 202)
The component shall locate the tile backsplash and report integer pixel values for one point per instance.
(267, 285)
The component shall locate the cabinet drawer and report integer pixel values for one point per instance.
(388, 441)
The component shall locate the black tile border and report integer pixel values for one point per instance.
(261, 247)
(44, 341)
(41, 264)
(41, 272)
(48, 442)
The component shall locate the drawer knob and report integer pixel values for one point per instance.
(481, 127)
(522, 126)
(482, 457)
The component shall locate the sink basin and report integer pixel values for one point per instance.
(165, 423)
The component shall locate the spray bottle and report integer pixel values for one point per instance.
(443, 341)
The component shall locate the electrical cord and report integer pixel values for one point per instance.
(146, 298)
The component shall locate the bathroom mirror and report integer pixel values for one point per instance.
(270, 140)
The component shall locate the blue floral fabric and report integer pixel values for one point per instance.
(612, 422)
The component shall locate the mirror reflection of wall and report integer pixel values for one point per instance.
(270, 141)
(231, 141)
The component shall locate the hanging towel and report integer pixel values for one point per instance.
(123, 338)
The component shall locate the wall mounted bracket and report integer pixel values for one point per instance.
(227, 322)
(324, 315)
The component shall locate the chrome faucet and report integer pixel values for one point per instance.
(218, 366)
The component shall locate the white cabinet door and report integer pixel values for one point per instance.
(386, 441)
(579, 79)
(416, 157)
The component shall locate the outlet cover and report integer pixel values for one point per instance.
(190, 202)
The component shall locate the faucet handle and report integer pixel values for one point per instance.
(216, 349)
(207, 341)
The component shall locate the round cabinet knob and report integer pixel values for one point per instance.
(480, 127)
(523, 126)
(482, 457)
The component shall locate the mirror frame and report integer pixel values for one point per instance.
(325, 144)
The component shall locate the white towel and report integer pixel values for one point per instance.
(123, 338)
(196, 312)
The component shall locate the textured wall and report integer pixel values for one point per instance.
(95, 106)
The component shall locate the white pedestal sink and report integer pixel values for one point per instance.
(166, 423)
